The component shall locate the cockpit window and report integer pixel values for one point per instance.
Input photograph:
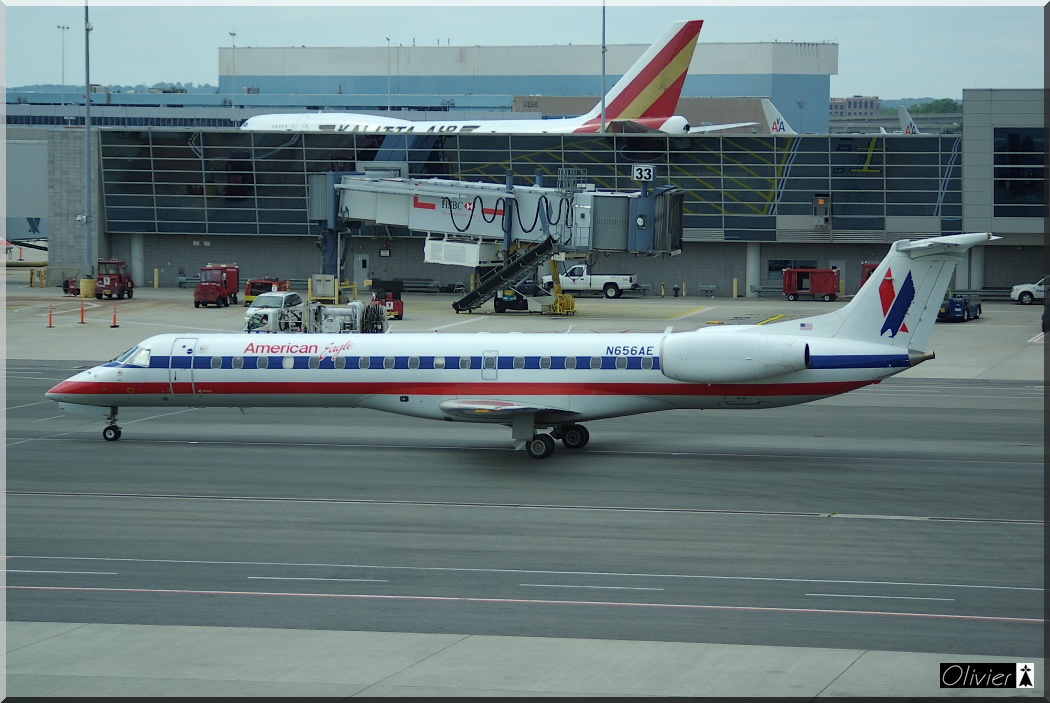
(136, 356)
(126, 355)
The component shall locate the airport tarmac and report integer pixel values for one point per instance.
(83, 658)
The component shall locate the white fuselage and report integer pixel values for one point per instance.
(562, 377)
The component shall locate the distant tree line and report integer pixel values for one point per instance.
(933, 107)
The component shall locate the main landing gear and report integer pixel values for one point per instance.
(112, 431)
(541, 445)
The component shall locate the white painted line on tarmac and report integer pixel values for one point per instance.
(607, 588)
(531, 572)
(31, 571)
(853, 595)
(524, 601)
(310, 578)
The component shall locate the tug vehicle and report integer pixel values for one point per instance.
(113, 280)
(218, 285)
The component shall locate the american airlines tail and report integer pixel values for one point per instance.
(897, 306)
(775, 121)
(907, 123)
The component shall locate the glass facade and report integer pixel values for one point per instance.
(244, 183)
(1020, 172)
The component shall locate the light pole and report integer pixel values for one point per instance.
(388, 74)
(63, 27)
(233, 41)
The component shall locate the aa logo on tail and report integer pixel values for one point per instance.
(895, 305)
(777, 125)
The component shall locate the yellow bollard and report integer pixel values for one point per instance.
(683, 289)
(734, 287)
(32, 278)
(156, 278)
(663, 291)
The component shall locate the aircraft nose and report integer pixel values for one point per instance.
(60, 391)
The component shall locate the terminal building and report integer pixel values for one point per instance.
(176, 185)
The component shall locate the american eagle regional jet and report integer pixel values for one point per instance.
(543, 386)
(643, 100)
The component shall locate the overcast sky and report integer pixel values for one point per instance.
(891, 50)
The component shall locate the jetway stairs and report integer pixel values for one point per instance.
(509, 273)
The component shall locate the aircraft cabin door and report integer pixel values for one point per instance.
(180, 366)
(489, 364)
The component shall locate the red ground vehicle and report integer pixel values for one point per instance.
(820, 283)
(866, 270)
(255, 286)
(219, 284)
(113, 280)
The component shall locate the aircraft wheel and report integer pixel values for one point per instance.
(575, 437)
(540, 446)
(111, 433)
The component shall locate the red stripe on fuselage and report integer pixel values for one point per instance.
(456, 389)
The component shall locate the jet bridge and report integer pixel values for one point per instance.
(479, 224)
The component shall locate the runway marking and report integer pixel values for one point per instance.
(1038, 339)
(523, 601)
(521, 506)
(851, 595)
(608, 588)
(309, 578)
(91, 573)
(695, 311)
(29, 405)
(530, 572)
(451, 324)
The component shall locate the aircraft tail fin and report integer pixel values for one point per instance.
(775, 121)
(653, 85)
(898, 304)
(907, 123)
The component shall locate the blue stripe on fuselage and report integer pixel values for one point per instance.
(860, 361)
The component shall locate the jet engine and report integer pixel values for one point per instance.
(728, 357)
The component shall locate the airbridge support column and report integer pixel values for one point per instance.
(970, 276)
(752, 269)
(137, 260)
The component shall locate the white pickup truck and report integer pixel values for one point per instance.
(578, 278)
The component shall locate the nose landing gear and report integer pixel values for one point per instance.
(112, 431)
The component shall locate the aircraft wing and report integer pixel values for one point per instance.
(490, 410)
(707, 128)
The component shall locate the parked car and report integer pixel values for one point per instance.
(1028, 293)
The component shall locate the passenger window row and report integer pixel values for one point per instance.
(439, 362)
